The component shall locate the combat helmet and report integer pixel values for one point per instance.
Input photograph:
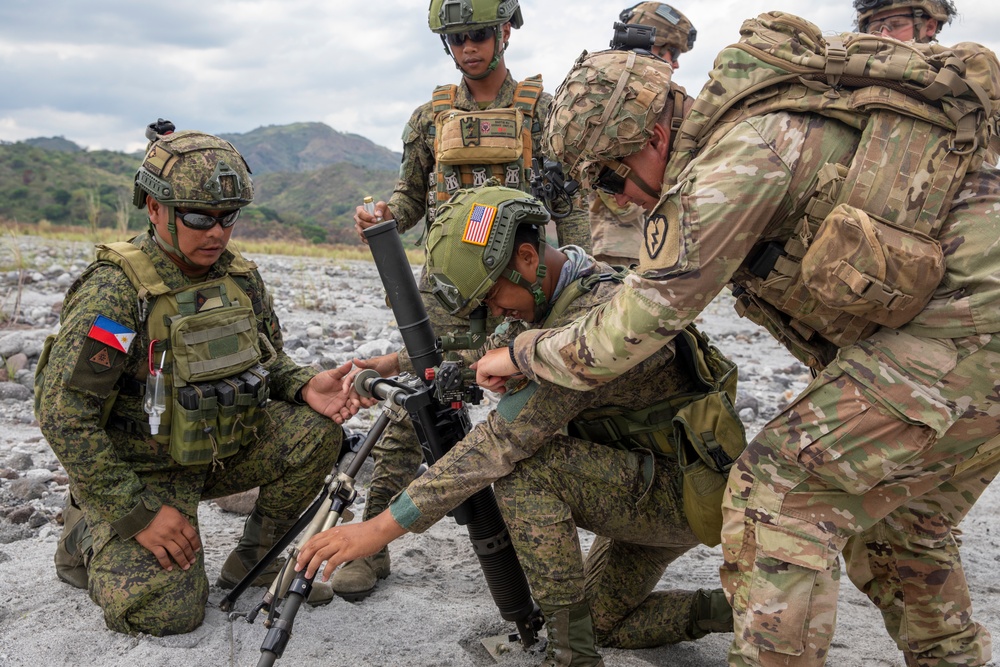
(447, 17)
(942, 10)
(190, 169)
(607, 106)
(673, 29)
(471, 241)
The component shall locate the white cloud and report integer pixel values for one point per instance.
(99, 76)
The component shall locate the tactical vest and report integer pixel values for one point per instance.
(472, 146)
(700, 429)
(864, 253)
(205, 339)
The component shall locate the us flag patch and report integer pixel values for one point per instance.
(477, 227)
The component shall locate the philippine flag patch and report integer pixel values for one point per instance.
(111, 333)
(477, 227)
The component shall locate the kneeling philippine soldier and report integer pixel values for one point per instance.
(155, 394)
(619, 471)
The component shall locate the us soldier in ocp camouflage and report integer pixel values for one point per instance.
(177, 304)
(893, 441)
(628, 489)
(905, 20)
(616, 231)
(475, 34)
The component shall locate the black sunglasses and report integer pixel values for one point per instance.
(477, 36)
(204, 221)
(609, 181)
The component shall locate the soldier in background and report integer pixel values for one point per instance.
(436, 163)
(154, 396)
(905, 20)
(617, 473)
(895, 439)
(615, 230)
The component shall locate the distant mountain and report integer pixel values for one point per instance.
(308, 180)
(54, 144)
(308, 146)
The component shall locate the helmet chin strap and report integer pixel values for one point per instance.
(542, 305)
(173, 247)
(498, 49)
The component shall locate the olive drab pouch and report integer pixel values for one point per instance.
(708, 435)
(871, 268)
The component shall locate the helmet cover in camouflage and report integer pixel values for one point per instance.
(447, 16)
(607, 106)
(942, 10)
(673, 29)
(471, 241)
(194, 170)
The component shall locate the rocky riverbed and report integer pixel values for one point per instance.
(434, 608)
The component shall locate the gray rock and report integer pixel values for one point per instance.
(748, 415)
(26, 489)
(374, 348)
(17, 362)
(20, 461)
(15, 391)
(21, 514)
(239, 503)
(11, 344)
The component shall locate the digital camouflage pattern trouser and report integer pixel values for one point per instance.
(877, 459)
(297, 449)
(632, 502)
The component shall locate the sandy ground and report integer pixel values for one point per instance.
(433, 609)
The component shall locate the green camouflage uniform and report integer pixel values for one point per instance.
(397, 455)
(615, 232)
(547, 484)
(121, 479)
(869, 450)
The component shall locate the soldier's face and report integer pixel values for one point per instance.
(900, 24)
(505, 299)
(647, 166)
(202, 247)
(474, 57)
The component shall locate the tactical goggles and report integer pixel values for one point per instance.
(204, 221)
(891, 24)
(477, 36)
(610, 178)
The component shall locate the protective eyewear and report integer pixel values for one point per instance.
(611, 179)
(891, 24)
(204, 221)
(477, 36)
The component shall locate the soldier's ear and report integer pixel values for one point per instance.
(660, 141)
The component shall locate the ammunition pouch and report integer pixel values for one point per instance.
(700, 430)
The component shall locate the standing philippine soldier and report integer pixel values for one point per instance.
(616, 231)
(618, 473)
(905, 20)
(155, 394)
(864, 238)
(505, 118)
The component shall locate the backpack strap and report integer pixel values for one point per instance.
(526, 96)
(444, 98)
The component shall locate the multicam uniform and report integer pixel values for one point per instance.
(615, 231)
(397, 455)
(883, 443)
(548, 483)
(121, 477)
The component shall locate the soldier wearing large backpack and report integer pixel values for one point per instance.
(616, 231)
(853, 217)
(905, 20)
(167, 384)
(620, 472)
(507, 118)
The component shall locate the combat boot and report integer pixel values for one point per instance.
(75, 546)
(710, 613)
(356, 579)
(570, 632)
(260, 533)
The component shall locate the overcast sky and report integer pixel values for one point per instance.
(97, 71)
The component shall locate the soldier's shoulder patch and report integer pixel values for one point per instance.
(111, 333)
(662, 239)
(479, 223)
(97, 368)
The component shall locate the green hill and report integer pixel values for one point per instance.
(309, 146)
(308, 187)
